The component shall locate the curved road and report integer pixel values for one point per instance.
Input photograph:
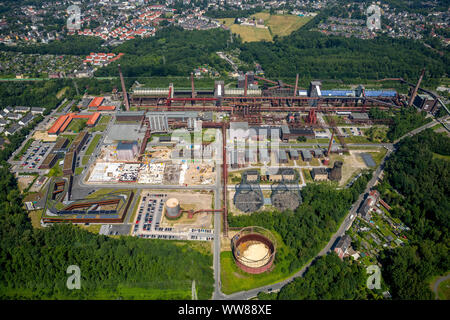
(437, 283)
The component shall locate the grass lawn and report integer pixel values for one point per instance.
(76, 125)
(78, 170)
(133, 216)
(357, 139)
(35, 217)
(94, 228)
(437, 126)
(85, 160)
(282, 25)
(102, 124)
(70, 137)
(314, 162)
(56, 171)
(102, 192)
(378, 156)
(251, 34)
(441, 156)
(307, 175)
(93, 145)
(227, 21)
(234, 279)
(61, 92)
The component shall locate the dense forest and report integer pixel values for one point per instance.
(417, 186)
(172, 51)
(328, 278)
(33, 262)
(31, 93)
(309, 228)
(314, 55)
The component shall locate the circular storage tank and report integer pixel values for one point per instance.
(172, 208)
(253, 251)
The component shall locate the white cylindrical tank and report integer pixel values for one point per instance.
(172, 208)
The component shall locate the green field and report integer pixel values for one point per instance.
(234, 279)
(93, 145)
(441, 156)
(78, 170)
(84, 160)
(250, 34)
(102, 124)
(76, 125)
(278, 25)
(282, 25)
(307, 175)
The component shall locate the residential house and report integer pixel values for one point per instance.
(343, 246)
(26, 119)
(37, 110)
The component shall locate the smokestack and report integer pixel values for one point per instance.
(414, 93)
(245, 86)
(124, 90)
(331, 142)
(192, 85)
(296, 86)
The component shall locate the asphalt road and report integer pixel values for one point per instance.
(217, 294)
(437, 283)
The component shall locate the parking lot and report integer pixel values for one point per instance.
(147, 223)
(35, 155)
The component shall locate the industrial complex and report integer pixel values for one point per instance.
(168, 163)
